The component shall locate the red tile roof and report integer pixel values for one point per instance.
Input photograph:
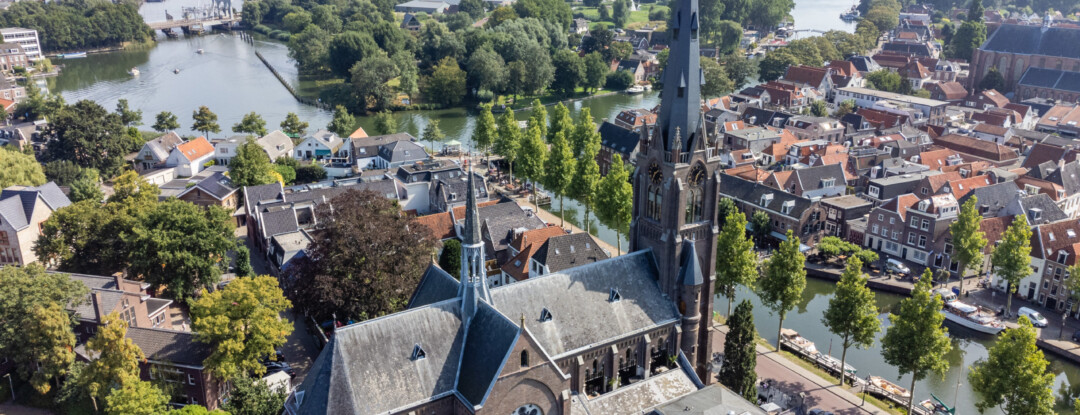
(951, 91)
(976, 147)
(527, 243)
(962, 187)
(845, 68)
(194, 149)
(440, 224)
(803, 74)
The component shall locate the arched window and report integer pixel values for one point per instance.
(695, 205)
(654, 195)
(524, 358)
(1018, 70)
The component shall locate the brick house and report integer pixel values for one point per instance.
(1056, 246)
(839, 210)
(175, 359)
(915, 230)
(786, 210)
(215, 190)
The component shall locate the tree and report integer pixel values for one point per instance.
(969, 36)
(559, 170)
(784, 280)
(1011, 258)
(310, 173)
(501, 14)
(38, 335)
(916, 342)
(852, 314)
(774, 65)
(975, 11)
(727, 34)
(885, 80)
(614, 200)
(569, 70)
(486, 71)
(252, 123)
(969, 241)
(450, 259)
(128, 116)
(485, 132)
(596, 71)
(165, 121)
(603, 14)
(1014, 377)
(561, 122)
(508, 140)
(291, 126)
(243, 262)
(385, 123)
(846, 107)
(761, 225)
(736, 263)
(242, 325)
(432, 133)
(19, 169)
(363, 262)
(205, 121)
(89, 136)
(740, 354)
(716, 80)
(739, 69)
(311, 49)
(584, 182)
(86, 187)
(533, 157)
(819, 109)
(201, 410)
(474, 8)
(884, 18)
(136, 398)
(992, 80)
(517, 76)
(251, 396)
(342, 123)
(620, 13)
(251, 165)
(539, 118)
(371, 82)
(619, 80)
(446, 85)
(180, 245)
(724, 208)
(297, 21)
(116, 359)
(348, 48)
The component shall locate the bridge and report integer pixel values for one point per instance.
(205, 22)
(215, 14)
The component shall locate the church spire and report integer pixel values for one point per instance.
(471, 232)
(680, 106)
(473, 270)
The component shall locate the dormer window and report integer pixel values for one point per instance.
(1071, 233)
(765, 199)
(924, 205)
(1062, 256)
(830, 182)
(545, 315)
(614, 296)
(787, 207)
(418, 352)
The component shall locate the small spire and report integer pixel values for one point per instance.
(472, 216)
(522, 320)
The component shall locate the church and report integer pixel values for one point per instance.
(616, 336)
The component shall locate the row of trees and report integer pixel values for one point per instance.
(205, 121)
(814, 51)
(79, 25)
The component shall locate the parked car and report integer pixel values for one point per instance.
(817, 411)
(1076, 336)
(274, 367)
(894, 265)
(1037, 319)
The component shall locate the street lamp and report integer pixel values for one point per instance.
(1064, 316)
(12, 386)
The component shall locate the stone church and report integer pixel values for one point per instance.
(617, 336)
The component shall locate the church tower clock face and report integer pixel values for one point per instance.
(696, 176)
(655, 175)
(528, 409)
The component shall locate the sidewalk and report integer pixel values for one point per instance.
(794, 380)
(1048, 336)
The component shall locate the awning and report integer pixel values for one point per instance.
(783, 237)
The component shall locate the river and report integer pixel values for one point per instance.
(231, 81)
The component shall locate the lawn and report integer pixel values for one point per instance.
(637, 18)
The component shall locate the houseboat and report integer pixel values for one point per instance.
(967, 315)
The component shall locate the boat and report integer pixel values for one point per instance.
(834, 363)
(967, 315)
(794, 338)
(133, 71)
(200, 51)
(634, 90)
(648, 87)
(75, 55)
(889, 387)
(177, 70)
(851, 14)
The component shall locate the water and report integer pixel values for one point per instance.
(968, 346)
(823, 15)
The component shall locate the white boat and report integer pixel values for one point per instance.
(967, 315)
(891, 388)
(634, 90)
(200, 51)
(177, 70)
(794, 337)
(133, 71)
(72, 55)
(834, 362)
(851, 14)
(648, 87)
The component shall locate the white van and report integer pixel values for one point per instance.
(1037, 319)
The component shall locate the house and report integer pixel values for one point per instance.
(276, 145)
(154, 152)
(864, 64)
(500, 222)
(579, 26)
(814, 77)
(914, 229)
(563, 252)
(754, 138)
(397, 153)
(616, 140)
(213, 190)
(422, 6)
(1063, 119)
(883, 189)
(449, 192)
(1057, 246)
(22, 210)
(366, 150)
(411, 23)
(322, 145)
(807, 127)
(419, 180)
(986, 99)
(976, 149)
(635, 68)
(818, 182)
(12, 56)
(916, 74)
(1061, 182)
(523, 246)
(786, 211)
(634, 119)
(189, 158)
(175, 358)
(839, 210)
(115, 294)
(992, 133)
(933, 111)
(226, 148)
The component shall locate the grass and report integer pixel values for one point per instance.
(637, 18)
(887, 406)
(524, 101)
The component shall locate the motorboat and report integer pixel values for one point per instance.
(794, 338)
(634, 90)
(967, 315)
(889, 387)
(177, 70)
(200, 51)
(834, 362)
(133, 71)
(75, 55)
(850, 14)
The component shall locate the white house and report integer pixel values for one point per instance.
(276, 144)
(156, 151)
(225, 148)
(22, 210)
(189, 158)
(323, 145)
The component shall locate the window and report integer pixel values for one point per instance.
(545, 315)
(880, 217)
(654, 202)
(190, 379)
(895, 235)
(1062, 255)
(3, 238)
(892, 247)
(695, 205)
(911, 238)
(922, 241)
(418, 352)
(874, 229)
(925, 225)
(914, 222)
(614, 295)
(524, 358)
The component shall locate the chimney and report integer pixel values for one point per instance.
(98, 307)
(118, 277)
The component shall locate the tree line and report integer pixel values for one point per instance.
(78, 25)
(815, 51)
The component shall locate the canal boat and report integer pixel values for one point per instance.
(967, 315)
(634, 90)
(889, 387)
(793, 337)
(133, 71)
(835, 363)
(75, 55)
(851, 14)
(176, 71)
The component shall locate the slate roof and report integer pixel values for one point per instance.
(402, 151)
(577, 299)
(329, 139)
(1051, 212)
(17, 203)
(436, 285)
(162, 146)
(619, 139)
(994, 197)
(280, 221)
(1051, 78)
(1068, 176)
(751, 192)
(368, 146)
(864, 63)
(217, 185)
(488, 343)
(499, 221)
(811, 178)
(169, 346)
(567, 251)
(1034, 40)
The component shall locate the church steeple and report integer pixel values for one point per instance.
(473, 274)
(680, 107)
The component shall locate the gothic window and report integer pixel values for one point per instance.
(655, 194)
(528, 409)
(524, 358)
(695, 196)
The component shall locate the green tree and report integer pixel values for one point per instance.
(19, 169)
(297, 21)
(846, 107)
(311, 49)
(885, 80)
(716, 80)
(89, 136)
(559, 170)
(348, 48)
(180, 245)
(739, 69)
(615, 199)
(165, 121)
(916, 342)
(446, 85)
(517, 76)
(884, 18)
(450, 259)
(533, 157)
(371, 82)
(251, 396)
(205, 121)
(740, 354)
(727, 35)
(136, 398)
(561, 122)
(485, 132)
(968, 239)
(969, 36)
(724, 208)
(342, 123)
(385, 123)
(619, 80)
(243, 262)
(128, 116)
(37, 334)
(432, 133)
(251, 166)
(784, 280)
(992, 80)
(1012, 257)
(596, 71)
(539, 118)
(620, 13)
(736, 263)
(87, 187)
(474, 8)
(975, 11)
(774, 65)
(586, 178)
(242, 325)
(852, 314)
(819, 109)
(252, 123)
(584, 133)
(486, 71)
(761, 225)
(508, 140)
(292, 125)
(569, 70)
(310, 173)
(116, 359)
(201, 410)
(1014, 377)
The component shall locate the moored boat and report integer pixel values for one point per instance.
(851, 14)
(891, 388)
(967, 315)
(834, 362)
(794, 338)
(634, 90)
(133, 71)
(72, 55)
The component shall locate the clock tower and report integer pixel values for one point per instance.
(675, 191)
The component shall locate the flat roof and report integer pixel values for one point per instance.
(895, 96)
